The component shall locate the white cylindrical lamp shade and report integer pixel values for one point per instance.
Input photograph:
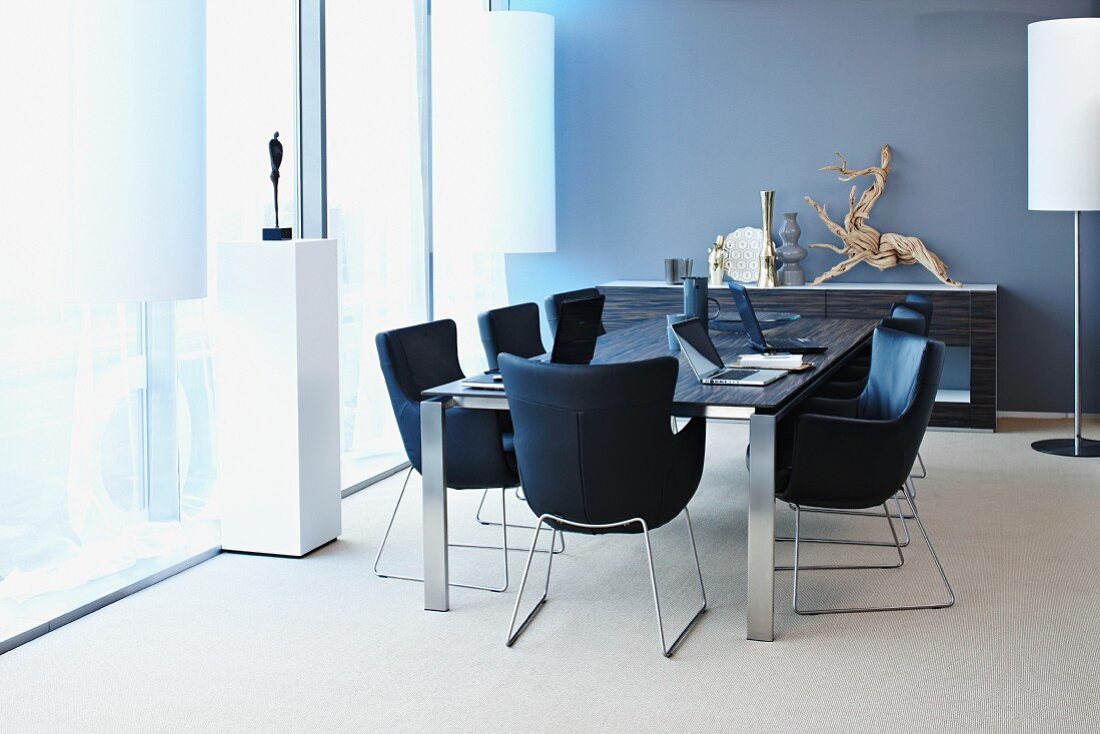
(493, 176)
(139, 150)
(1063, 111)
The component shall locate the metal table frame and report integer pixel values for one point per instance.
(760, 610)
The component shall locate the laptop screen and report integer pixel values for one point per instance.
(579, 323)
(697, 346)
(748, 315)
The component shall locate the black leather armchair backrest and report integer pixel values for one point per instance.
(920, 304)
(512, 329)
(415, 358)
(593, 441)
(419, 357)
(553, 306)
(907, 320)
(912, 420)
(896, 359)
(915, 422)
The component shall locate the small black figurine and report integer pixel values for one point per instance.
(275, 151)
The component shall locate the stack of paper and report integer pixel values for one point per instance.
(778, 361)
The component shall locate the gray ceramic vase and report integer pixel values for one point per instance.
(791, 254)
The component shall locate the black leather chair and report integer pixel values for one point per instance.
(910, 322)
(515, 330)
(414, 359)
(855, 454)
(553, 306)
(913, 315)
(923, 306)
(512, 329)
(597, 456)
(920, 304)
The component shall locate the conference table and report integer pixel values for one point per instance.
(762, 407)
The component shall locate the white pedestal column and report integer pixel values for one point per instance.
(276, 369)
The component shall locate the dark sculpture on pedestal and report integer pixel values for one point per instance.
(275, 152)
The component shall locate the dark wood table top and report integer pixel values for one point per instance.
(649, 339)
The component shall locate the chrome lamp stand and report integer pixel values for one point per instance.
(1076, 446)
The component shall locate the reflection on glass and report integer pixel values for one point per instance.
(376, 210)
(73, 493)
(375, 114)
(74, 484)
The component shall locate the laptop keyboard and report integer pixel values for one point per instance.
(734, 374)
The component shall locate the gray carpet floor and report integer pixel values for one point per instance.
(248, 643)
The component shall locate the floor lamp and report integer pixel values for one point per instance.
(139, 192)
(1063, 130)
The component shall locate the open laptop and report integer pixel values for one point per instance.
(797, 345)
(580, 321)
(707, 364)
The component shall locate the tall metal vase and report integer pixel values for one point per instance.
(767, 277)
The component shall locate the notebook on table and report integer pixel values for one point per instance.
(488, 381)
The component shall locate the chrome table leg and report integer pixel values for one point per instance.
(761, 541)
(433, 450)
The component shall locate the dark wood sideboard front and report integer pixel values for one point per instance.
(965, 317)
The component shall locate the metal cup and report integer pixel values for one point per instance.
(676, 269)
(673, 318)
(672, 271)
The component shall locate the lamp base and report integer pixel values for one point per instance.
(1065, 447)
(278, 233)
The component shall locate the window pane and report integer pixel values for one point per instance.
(75, 485)
(376, 210)
(70, 444)
(250, 95)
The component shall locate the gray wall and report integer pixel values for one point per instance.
(673, 114)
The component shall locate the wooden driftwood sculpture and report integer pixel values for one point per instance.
(864, 243)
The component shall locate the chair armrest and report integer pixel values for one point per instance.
(845, 407)
(475, 448)
(844, 462)
(838, 390)
(691, 446)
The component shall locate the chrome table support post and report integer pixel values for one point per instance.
(761, 541)
(433, 449)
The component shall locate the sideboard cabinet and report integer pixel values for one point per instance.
(965, 319)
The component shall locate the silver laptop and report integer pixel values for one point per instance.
(707, 364)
